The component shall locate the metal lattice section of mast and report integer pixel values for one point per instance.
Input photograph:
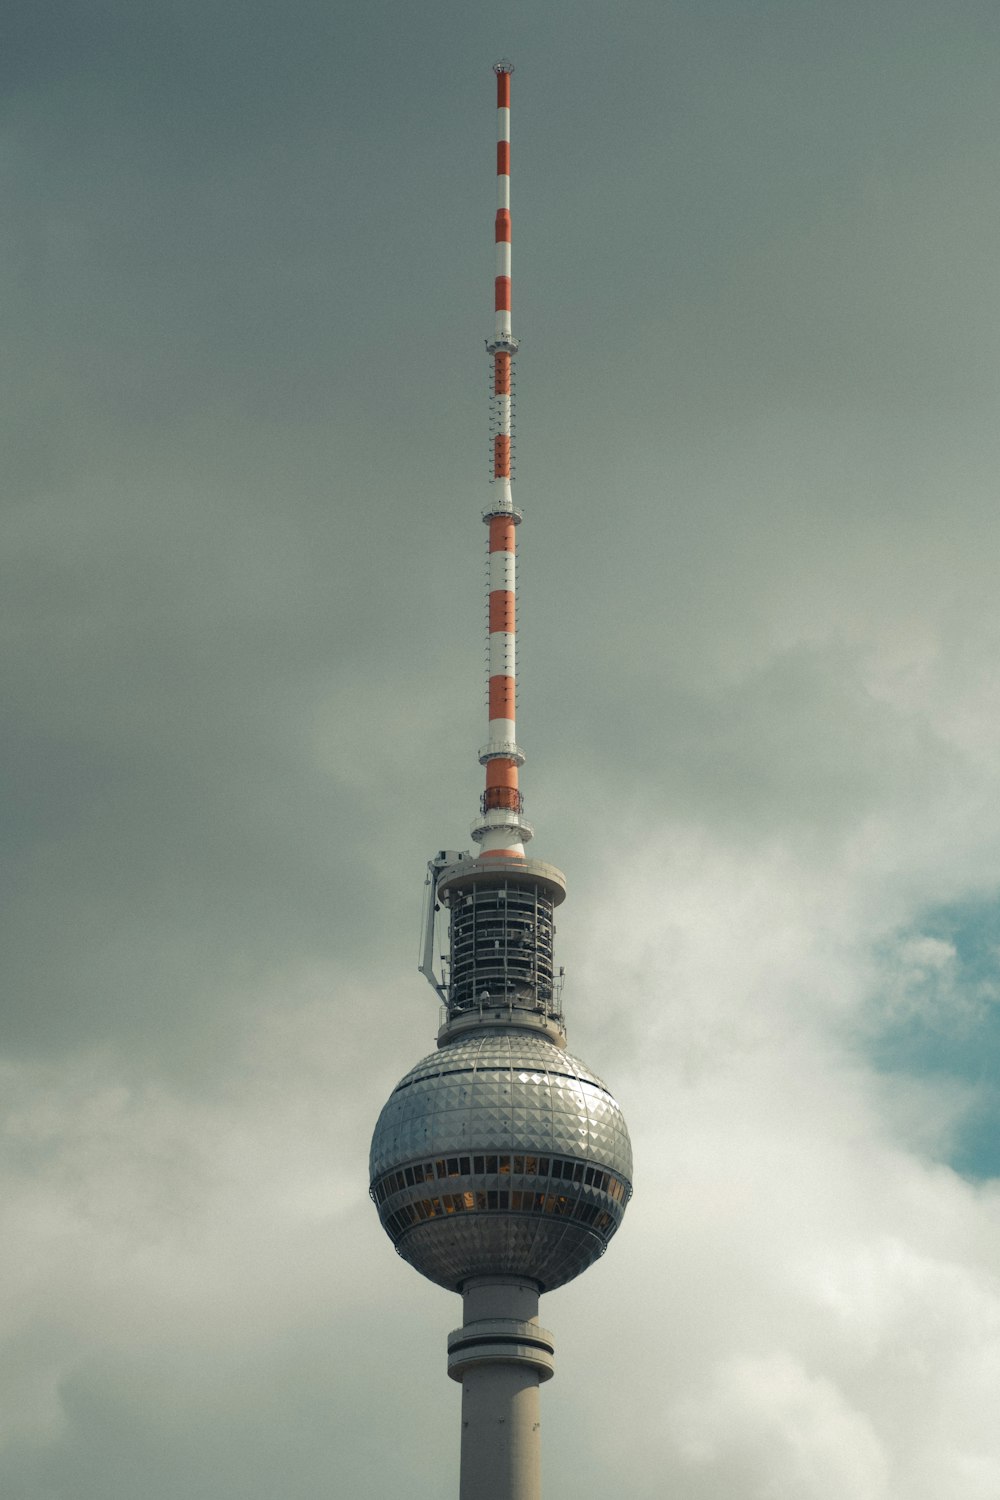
(501, 947)
(501, 929)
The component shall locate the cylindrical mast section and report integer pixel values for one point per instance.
(501, 830)
(501, 1355)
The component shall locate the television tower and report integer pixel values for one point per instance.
(500, 1165)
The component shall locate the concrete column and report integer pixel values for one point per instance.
(501, 1355)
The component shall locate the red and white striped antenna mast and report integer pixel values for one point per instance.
(501, 831)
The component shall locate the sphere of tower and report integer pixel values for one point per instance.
(501, 1154)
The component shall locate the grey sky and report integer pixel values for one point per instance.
(247, 262)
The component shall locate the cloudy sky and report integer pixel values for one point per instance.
(247, 274)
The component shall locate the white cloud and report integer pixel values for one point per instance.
(776, 1430)
(808, 1295)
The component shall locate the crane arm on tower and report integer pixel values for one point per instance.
(441, 861)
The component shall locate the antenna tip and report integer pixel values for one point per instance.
(503, 66)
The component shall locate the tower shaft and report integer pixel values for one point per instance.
(501, 1355)
(500, 1165)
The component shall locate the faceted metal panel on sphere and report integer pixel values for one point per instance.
(501, 1154)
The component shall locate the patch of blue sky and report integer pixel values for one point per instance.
(937, 1014)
